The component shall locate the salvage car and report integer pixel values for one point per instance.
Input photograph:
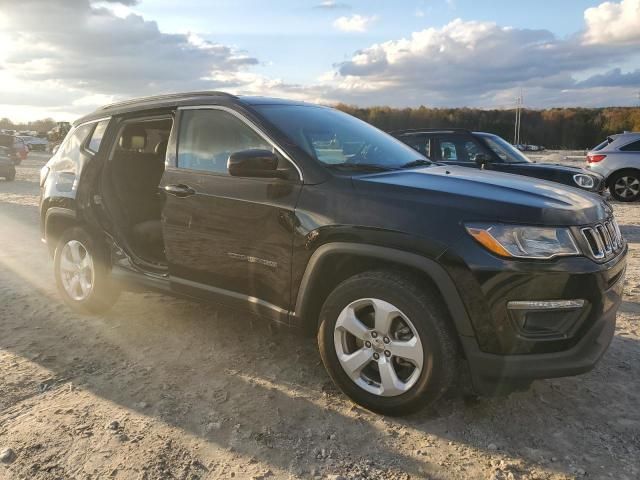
(412, 276)
(7, 168)
(465, 148)
(617, 158)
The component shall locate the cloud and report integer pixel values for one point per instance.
(75, 55)
(613, 78)
(613, 23)
(472, 63)
(354, 23)
(85, 49)
(332, 5)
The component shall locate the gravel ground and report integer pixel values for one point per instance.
(165, 388)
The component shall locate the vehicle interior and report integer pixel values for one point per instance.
(130, 183)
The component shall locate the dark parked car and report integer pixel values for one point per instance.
(409, 273)
(491, 152)
(7, 168)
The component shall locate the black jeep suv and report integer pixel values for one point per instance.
(462, 147)
(412, 275)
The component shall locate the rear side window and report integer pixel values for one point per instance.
(602, 145)
(69, 157)
(631, 147)
(96, 137)
(207, 138)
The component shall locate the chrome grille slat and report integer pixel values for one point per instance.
(603, 239)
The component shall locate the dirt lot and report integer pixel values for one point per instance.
(164, 388)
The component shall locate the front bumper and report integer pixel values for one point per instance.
(491, 372)
(504, 350)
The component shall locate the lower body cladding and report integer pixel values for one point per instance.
(541, 321)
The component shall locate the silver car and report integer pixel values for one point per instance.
(618, 159)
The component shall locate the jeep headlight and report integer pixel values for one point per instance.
(584, 181)
(519, 241)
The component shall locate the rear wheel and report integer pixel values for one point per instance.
(386, 342)
(82, 272)
(625, 186)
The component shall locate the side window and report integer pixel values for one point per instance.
(448, 151)
(69, 156)
(631, 147)
(207, 138)
(459, 149)
(96, 137)
(418, 142)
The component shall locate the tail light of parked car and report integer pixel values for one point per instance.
(593, 158)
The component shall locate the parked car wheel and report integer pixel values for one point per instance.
(386, 342)
(625, 185)
(81, 272)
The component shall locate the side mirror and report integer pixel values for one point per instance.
(253, 163)
(481, 159)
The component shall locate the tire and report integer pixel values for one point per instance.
(625, 185)
(92, 291)
(429, 326)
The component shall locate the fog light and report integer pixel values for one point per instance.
(546, 319)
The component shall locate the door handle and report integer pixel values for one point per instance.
(179, 190)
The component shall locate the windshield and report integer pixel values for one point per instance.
(340, 140)
(507, 152)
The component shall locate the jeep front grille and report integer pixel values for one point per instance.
(604, 239)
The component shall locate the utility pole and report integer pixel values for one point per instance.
(519, 105)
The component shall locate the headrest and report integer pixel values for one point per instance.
(133, 137)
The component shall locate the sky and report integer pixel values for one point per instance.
(64, 58)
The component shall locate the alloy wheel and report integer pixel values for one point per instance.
(627, 186)
(378, 347)
(77, 270)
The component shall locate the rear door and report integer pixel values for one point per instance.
(227, 238)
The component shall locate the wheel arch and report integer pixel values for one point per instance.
(56, 221)
(342, 260)
(615, 173)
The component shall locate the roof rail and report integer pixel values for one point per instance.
(168, 96)
(421, 130)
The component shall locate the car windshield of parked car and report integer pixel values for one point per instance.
(507, 152)
(339, 140)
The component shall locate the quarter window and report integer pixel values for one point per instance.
(69, 157)
(207, 138)
(96, 137)
(631, 147)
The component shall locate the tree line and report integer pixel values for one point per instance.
(564, 128)
(558, 128)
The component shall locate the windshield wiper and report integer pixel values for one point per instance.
(421, 162)
(361, 167)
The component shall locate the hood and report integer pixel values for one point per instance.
(490, 196)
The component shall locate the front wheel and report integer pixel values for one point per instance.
(82, 273)
(625, 186)
(387, 343)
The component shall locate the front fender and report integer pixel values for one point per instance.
(431, 268)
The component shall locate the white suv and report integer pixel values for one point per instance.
(618, 159)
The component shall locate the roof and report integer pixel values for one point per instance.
(180, 99)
